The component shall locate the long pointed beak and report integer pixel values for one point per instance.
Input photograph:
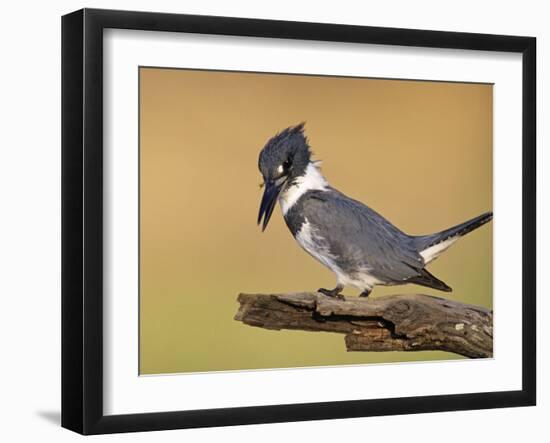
(269, 199)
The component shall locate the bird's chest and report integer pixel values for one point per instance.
(313, 242)
(294, 219)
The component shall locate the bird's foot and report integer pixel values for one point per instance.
(365, 293)
(335, 293)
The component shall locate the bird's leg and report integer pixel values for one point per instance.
(365, 293)
(333, 292)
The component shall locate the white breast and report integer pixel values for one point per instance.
(311, 180)
(311, 240)
(313, 243)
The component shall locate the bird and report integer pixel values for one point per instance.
(361, 247)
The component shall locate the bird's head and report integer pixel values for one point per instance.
(284, 158)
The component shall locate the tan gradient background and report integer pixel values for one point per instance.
(418, 152)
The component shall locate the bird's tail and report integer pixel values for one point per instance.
(429, 280)
(431, 246)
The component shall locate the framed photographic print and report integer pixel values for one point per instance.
(216, 273)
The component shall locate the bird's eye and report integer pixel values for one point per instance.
(286, 165)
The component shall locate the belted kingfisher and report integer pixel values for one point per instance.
(360, 246)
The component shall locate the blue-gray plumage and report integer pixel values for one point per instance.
(360, 246)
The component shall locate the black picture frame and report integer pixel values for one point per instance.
(82, 220)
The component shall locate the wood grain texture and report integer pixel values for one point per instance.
(393, 323)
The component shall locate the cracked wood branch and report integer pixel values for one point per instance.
(391, 323)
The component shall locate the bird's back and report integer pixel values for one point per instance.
(356, 237)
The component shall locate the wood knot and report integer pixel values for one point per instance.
(402, 308)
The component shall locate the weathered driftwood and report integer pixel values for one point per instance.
(391, 323)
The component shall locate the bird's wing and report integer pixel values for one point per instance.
(360, 238)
